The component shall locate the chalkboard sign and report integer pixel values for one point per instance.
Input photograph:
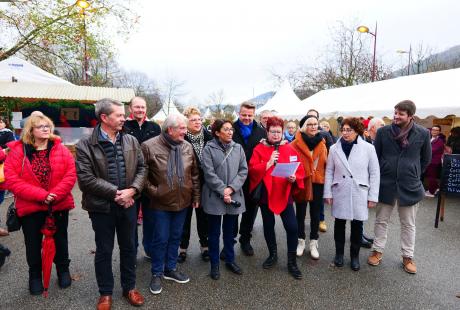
(450, 177)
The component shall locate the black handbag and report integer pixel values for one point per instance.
(12, 219)
(256, 194)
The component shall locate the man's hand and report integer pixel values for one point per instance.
(195, 205)
(125, 197)
(328, 201)
(371, 204)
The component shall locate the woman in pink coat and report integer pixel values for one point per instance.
(40, 171)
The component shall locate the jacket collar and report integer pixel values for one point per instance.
(95, 135)
(341, 154)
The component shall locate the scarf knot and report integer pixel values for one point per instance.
(401, 135)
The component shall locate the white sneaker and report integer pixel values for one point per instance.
(428, 194)
(314, 249)
(300, 247)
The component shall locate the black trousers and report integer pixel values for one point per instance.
(201, 226)
(289, 223)
(315, 210)
(123, 222)
(31, 225)
(247, 218)
(355, 238)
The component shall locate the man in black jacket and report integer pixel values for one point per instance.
(111, 174)
(139, 127)
(248, 133)
(404, 152)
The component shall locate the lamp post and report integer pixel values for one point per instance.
(83, 6)
(409, 53)
(364, 29)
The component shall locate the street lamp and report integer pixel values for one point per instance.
(83, 6)
(364, 29)
(410, 57)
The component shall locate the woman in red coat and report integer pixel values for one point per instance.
(276, 191)
(40, 171)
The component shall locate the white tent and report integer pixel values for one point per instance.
(165, 110)
(285, 103)
(433, 93)
(207, 114)
(23, 71)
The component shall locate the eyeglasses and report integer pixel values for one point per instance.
(312, 125)
(195, 120)
(275, 132)
(347, 130)
(43, 127)
(227, 129)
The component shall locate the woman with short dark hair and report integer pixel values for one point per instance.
(351, 187)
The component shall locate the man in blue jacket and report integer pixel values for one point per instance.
(404, 152)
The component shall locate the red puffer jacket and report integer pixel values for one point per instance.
(30, 196)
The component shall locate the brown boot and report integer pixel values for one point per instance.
(375, 258)
(409, 265)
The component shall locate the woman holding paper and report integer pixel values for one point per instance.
(311, 146)
(351, 187)
(276, 190)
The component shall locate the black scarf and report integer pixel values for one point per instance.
(347, 146)
(311, 142)
(197, 142)
(174, 161)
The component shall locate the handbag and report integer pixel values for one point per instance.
(12, 220)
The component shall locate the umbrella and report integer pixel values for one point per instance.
(48, 249)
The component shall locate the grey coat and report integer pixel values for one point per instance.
(352, 182)
(400, 170)
(219, 174)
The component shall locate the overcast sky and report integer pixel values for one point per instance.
(233, 45)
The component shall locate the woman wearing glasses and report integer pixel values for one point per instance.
(198, 136)
(311, 146)
(351, 187)
(40, 171)
(225, 171)
(276, 191)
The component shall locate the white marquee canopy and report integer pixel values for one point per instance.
(285, 103)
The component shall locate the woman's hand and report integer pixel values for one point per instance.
(371, 204)
(50, 198)
(273, 159)
(291, 179)
(228, 191)
(328, 201)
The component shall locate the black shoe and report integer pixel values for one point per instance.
(155, 285)
(205, 256)
(247, 248)
(215, 274)
(271, 259)
(368, 239)
(4, 253)
(182, 257)
(355, 263)
(222, 255)
(176, 276)
(292, 266)
(338, 260)
(64, 279)
(365, 244)
(36, 285)
(234, 268)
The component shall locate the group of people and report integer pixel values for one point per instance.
(128, 166)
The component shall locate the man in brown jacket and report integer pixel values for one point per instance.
(111, 173)
(172, 185)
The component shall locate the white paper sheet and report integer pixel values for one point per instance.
(284, 170)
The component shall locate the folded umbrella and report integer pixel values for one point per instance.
(48, 249)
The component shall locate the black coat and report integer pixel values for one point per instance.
(400, 170)
(258, 133)
(147, 131)
(6, 136)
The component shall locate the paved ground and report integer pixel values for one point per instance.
(385, 287)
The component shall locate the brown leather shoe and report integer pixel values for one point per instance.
(409, 265)
(375, 258)
(104, 303)
(3, 232)
(134, 297)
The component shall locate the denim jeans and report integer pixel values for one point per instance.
(167, 232)
(228, 227)
(123, 222)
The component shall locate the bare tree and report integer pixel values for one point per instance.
(171, 92)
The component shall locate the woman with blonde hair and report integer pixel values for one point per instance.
(40, 171)
(198, 136)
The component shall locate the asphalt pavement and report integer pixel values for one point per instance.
(435, 286)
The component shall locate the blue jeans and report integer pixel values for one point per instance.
(228, 227)
(167, 233)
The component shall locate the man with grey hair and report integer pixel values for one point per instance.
(264, 116)
(374, 125)
(111, 174)
(172, 185)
